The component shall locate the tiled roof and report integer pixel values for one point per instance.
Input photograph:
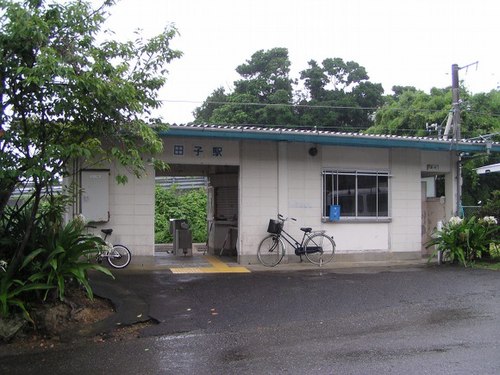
(326, 137)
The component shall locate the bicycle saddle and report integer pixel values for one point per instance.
(307, 230)
(107, 231)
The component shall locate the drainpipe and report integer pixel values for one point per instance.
(459, 186)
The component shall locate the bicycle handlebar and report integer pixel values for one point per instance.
(281, 217)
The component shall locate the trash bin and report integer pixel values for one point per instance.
(182, 237)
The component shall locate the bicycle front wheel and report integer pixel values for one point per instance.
(320, 248)
(271, 250)
(119, 256)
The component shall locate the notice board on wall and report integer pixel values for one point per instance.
(95, 195)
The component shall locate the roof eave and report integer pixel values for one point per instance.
(324, 138)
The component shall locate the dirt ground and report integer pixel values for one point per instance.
(61, 323)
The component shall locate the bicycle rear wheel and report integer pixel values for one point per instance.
(271, 250)
(119, 256)
(325, 246)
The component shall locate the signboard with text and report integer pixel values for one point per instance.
(192, 151)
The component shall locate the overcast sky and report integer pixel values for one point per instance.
(399, 42)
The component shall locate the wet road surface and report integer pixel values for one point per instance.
(422, 320)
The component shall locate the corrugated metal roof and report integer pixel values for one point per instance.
(325, 137)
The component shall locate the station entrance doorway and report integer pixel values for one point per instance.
(222, 208)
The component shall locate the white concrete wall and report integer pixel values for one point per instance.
(258, 195)
(351, 237)
(405, 229)
(285, 178)
(131, 212)
(435, 162)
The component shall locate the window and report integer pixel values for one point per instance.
(360, 194)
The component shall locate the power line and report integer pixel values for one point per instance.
(320, 106)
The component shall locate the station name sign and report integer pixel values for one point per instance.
(199, 151)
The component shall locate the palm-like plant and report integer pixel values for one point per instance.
(465, 240)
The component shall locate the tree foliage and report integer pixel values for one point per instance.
(173, 203)
(408, 111)
(64, 95)
(263, 95)
(481, 114)
(336, 94)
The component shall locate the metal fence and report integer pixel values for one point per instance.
(470, 211)
(182, 183)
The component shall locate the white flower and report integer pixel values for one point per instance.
(455, 220)
(490, 220)
(3, 265)
(80, 218)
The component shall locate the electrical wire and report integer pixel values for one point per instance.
(320, 106)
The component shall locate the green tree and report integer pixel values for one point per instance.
(409, 110)
(480, 114)
(215, 100)
(66, 96)
(336, 94)
(264, 95)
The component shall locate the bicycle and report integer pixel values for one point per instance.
(118, 256)
(317, 247)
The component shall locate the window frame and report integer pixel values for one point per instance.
(334, 174)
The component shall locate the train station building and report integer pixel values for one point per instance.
(379, 196)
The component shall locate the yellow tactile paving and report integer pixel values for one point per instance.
(217, 266)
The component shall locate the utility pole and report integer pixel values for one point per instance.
(454, 116)
(455, 121)
(455, 94)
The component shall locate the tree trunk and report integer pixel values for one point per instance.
(6, 190)
(19, 254)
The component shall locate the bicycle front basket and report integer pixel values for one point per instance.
(274, 226)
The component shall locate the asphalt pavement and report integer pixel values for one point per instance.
(134, 302)
(292, 319)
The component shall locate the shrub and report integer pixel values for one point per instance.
(494, 250)
(175, 204)
(492, 206)
(466, 240)
(56, 255)
(65, 258)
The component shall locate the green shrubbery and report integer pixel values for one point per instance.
(467, 240)
(173, 203)
(56, 257)
(492, 206)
